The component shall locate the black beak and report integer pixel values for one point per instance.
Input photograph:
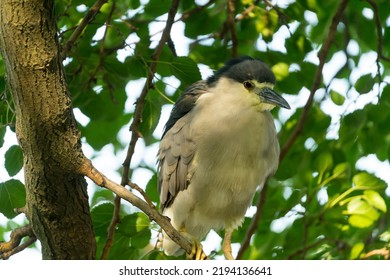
(270, 96)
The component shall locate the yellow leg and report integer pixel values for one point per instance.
(226, 245)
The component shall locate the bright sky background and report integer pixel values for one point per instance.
(107, 162)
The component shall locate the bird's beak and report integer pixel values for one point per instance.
(271, 97)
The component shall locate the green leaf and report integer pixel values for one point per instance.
(364, 84)
(3, 129)
(324, 163)
(133, 224)
(362, 213)
(12, 195)
(185, 69)
(360, 221)
(101, 218)
(368, 181)
(151, 188)
(351, 126)
(151, 114)
(356, 250)
(280, 70)
(201, 24)
(342, 170)
(337, 98)
(102, 195)
(375, 200)
(157, 8)
(136, 226)
(102, 132)
(13, 160)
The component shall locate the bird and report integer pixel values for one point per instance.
(218, 147)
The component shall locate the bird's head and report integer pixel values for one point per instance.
(249, 76)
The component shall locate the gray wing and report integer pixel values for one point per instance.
(177, 147)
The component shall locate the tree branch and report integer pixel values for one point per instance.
(247, 11)
(134, 127)
(98, 178)
(384, 252)
(304, 249)
(231, 23)
(317, 79)
(379, 51)
(12, 247)
(87, 19)
(301, 122)
(195, 10)
(378, 24)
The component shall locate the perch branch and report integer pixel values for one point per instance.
(302, 120)
(99, 179)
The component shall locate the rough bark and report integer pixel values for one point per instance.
(57, 201)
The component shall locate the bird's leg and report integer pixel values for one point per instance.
(196, 249)
(226, 244)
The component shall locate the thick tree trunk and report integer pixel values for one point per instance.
(57, 201)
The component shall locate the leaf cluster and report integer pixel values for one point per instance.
(320, 204)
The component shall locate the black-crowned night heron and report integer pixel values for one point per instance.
(218, 147)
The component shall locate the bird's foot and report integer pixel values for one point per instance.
(227, 245)
(197, 252)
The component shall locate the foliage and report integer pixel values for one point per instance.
(319, 205)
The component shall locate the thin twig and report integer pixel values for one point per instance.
(304, 249)
(255, 222)
(231, 23)
(80, 28)
(379, 51)
(317, 80)
(171, 46)
(384, 252)
(137, 118)
(283, 18)
(302, 120)
(117, 201)
(195, 10)
(108, 24)
(247, 11)
(378, 30)
(141, 191)
(100, 179)
(111, 228)
(134, 127)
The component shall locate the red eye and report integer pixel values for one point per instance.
(248, 85)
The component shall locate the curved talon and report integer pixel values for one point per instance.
(196, 249)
